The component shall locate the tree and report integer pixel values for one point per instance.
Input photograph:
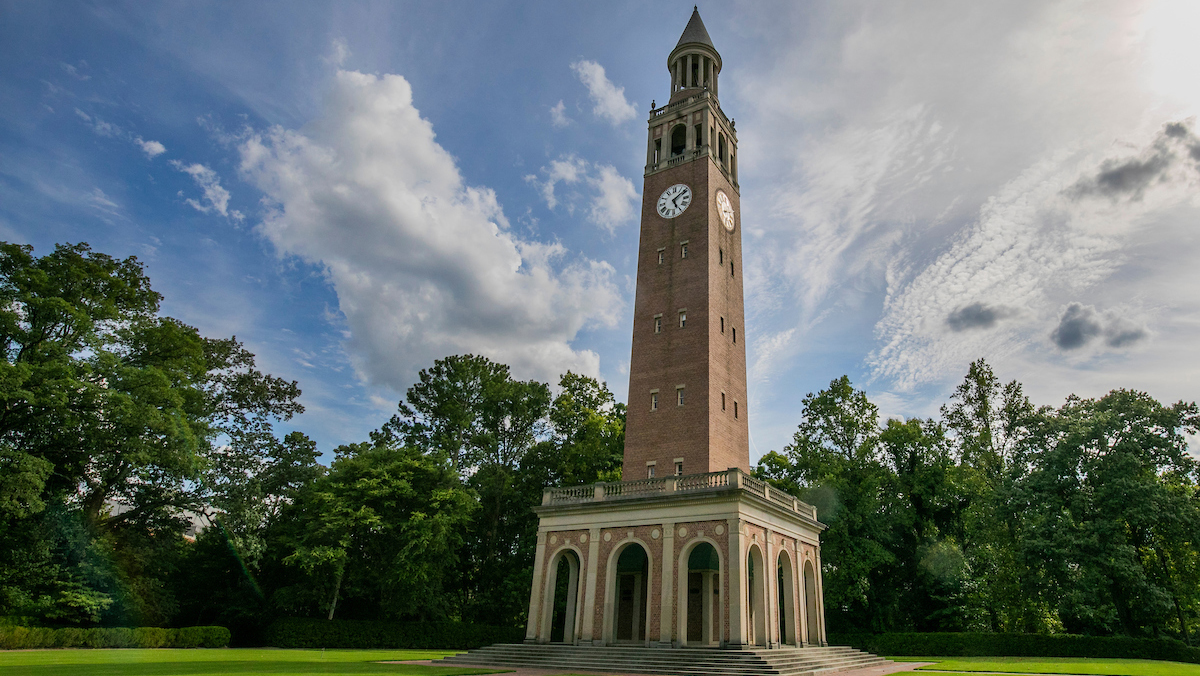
(383, 530)
(834, 463)
(1117, 513)
(109, 415)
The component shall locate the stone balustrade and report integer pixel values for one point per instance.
(690, 483)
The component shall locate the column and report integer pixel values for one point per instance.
(532, 628)
(572, 609)
(772, 590)
(666, 613)
(737, 584)
(589, 594)
(820, 602)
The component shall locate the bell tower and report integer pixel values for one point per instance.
(689, 549)
(687, 384)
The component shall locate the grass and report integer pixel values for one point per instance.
(224, 662)
(1058, 665)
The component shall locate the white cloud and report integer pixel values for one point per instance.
(151, 148)
(558, 115)
(932, 153)
(613, 199)
(569, 169)
(609, 98)
(110, 130)
(423, 265)
(339, 51)
(216, 197)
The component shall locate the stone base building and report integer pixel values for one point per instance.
(716, 559)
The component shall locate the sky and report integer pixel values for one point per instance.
(356, 189)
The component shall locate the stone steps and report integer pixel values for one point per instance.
(670, 661)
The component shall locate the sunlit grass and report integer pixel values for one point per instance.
(1058, 665)
(225, 662)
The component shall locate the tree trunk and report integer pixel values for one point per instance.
(337, 587)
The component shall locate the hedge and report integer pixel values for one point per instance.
(1019, 645)
(309, 633)
(14, 637)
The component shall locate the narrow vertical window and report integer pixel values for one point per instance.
(678, 468)
(699, 131)
(722, 325)
(735, 409)
(662, 255)
(679, 395)
(735, 334)
(649, 471)
(657, 149)
(658, 323)
(720, 257)
(722, 401)
(731, 269)
(683, 250)
(682, 318)
(654, 400)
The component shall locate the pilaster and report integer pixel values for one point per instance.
(666, 613)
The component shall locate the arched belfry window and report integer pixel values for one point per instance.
(678, 139)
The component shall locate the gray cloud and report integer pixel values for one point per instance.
(976, 316)
(1130, 177)
(1080, 324)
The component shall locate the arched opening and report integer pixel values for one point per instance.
(678, 139)
(756, 596)
(566, 593)
(701, 596)
(810, 604)
(632, 598)
(721, 148)
(561, 610)
(787, 599)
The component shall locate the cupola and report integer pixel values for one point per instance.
(694, 63)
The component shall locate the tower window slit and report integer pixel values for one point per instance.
(662, 254)
(722, 401)
(720, 257)
(699, 131)
(682, 318)
(735, 334)
(722, 325)
(679, 394)
(683, 250)
(657, 150)
(735, 411)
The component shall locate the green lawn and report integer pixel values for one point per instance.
(226, 662)
(1058, 665)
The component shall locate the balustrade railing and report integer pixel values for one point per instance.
(691, 483)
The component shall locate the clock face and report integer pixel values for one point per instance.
(674, 200)
(725, 209)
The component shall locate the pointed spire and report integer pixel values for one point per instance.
(695, 31)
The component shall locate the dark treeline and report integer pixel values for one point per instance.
(1000, 516)
(121, 429)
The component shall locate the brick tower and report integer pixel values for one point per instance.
(687, 376)
(688, 550)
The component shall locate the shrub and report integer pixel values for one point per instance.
(1019, 645)
(310, 633)
(16, 638)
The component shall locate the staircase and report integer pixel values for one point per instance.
(675, 661)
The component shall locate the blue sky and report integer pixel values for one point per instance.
(355, 189)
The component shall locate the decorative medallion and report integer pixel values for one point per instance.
(553, 539)
(720, 529)
(583, 538)
(682, 532)
(655, 533)
(608, 537)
